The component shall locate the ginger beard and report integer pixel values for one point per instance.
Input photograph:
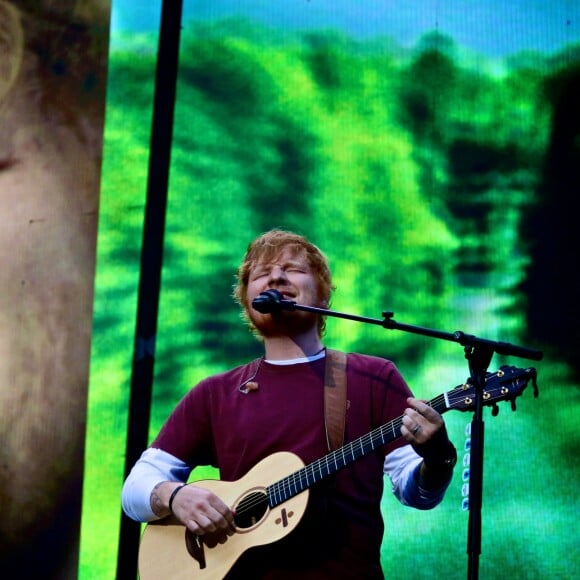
(284, 322)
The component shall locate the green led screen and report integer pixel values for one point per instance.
(431, 150)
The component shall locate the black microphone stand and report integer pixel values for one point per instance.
(478, 352)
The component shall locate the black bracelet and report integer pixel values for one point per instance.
(173, 494)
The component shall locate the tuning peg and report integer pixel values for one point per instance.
(494, 410)
(513, 404)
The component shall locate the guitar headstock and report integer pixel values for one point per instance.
(506, 384)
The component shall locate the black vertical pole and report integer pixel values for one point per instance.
(151, 264)
(479, 357)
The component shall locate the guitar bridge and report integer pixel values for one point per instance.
(194, 544)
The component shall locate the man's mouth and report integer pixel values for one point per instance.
(285, 294)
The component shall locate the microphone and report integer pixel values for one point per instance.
(272, 301)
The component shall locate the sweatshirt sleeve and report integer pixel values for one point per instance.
(402, 467)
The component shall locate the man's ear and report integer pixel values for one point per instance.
(11, 45)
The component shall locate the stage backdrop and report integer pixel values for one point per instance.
(431, 149)
(53, 58)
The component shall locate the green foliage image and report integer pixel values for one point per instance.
(414, 172)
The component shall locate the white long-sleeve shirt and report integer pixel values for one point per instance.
(156, 466)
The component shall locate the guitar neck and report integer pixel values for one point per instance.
(304, 478)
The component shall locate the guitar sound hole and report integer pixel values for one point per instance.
(251, 509)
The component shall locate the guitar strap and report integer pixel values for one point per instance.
(335, 398)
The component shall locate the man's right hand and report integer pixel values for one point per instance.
(200, 510)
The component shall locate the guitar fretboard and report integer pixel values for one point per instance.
(304, 478)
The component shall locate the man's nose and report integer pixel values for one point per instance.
(278, 274)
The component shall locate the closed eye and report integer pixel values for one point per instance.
(258, 275)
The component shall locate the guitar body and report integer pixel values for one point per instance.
(171, 552)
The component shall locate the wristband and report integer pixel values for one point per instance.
(446, 461)
(173, 494)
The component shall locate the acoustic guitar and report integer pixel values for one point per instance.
(271, 498)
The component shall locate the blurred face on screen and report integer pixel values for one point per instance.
(50, 141)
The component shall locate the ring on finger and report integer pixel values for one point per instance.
(416, 429)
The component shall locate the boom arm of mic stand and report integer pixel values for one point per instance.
(466, 340)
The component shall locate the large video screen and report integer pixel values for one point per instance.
(431, 150)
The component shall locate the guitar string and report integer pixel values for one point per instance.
(288, 486)
(300, 479)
